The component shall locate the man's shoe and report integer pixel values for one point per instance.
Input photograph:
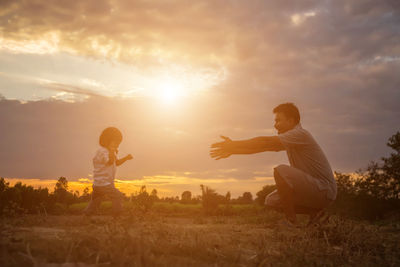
(318, 219)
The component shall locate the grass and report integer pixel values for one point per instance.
(157, 239)
(175, 208)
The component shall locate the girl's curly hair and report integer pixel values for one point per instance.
(108, 135)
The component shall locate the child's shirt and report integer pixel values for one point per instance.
(103, 173)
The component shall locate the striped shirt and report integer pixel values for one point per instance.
(103, 173)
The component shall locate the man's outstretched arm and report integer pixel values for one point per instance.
(255, 145)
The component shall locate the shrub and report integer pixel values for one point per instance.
(211, 200)
(142, 201)
(265, 191)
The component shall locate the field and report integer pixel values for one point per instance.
(176, 238)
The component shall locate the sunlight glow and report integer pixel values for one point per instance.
(171, 92)
(173, 84)
(47, 44)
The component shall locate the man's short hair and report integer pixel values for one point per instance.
(108, 135)
(290, 111)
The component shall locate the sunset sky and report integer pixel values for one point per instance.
(174, 75)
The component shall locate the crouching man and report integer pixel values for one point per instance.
(307, 186)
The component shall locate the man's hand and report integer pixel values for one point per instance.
(129, 157)
(222, 149)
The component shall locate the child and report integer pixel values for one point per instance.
(104, 163)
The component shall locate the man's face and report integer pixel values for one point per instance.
(282, 123)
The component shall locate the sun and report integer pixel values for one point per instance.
(176, 87)
(171, 91)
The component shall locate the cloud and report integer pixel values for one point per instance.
(207, 33)
(337, 60)
(66, 92)
(256, 41)
(59, 87)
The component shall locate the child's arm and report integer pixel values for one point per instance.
(121, 161)
(111, 156)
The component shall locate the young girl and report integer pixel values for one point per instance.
(104, 168)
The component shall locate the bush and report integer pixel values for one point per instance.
(59, 208)
(266, 190)
(355, 202)
(211, 200)
(142, 201)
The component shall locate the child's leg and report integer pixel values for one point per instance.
(94, 203)
(116, 198)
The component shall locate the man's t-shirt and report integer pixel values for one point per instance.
(305, 154)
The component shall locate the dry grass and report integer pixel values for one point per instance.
(157, 240)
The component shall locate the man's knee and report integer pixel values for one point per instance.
(272, 200)
(278, 176)
(279, 169)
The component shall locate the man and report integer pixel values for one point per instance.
(307, 186)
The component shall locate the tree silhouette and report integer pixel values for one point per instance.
(228, 196)
(247, 197)
(61, 194)
(142, 200)
(382, 179)
(153, 195)
(186, 197)
(373, 192)
(62, 184)
(267, 189)
(211, 199)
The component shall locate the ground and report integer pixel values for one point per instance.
(155, 239)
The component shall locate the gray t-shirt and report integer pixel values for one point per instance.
(305, 154)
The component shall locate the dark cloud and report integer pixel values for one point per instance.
(205, 30)
(255, 40)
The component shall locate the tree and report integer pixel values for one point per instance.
(86, 191)
(3, 185)
(22, 198)
(211, 199)
(265, 191)
(85, 194)
(374, 192)
(381, 180)
(154, 192)
(247, 197)
(186, 197)
(228, 196)
(142, 200)
(391, 167)
(153, 195)
(61, 193)
(62, 184)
